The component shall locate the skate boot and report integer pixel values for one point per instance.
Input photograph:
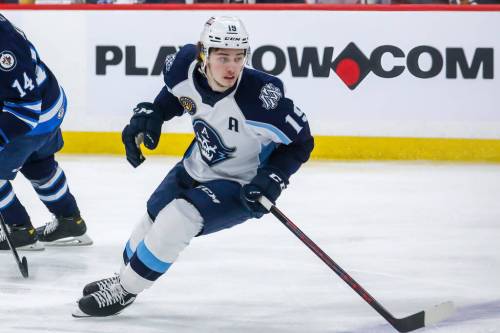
(104, 302)
(64, 231)
(22, 237)
(92, 287)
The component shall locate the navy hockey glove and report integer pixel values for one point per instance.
(145, 127)
(269, 182)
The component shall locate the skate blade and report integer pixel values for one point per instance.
(37, 246)
(77, 313)
(82, 240)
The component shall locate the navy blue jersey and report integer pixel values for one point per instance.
(31, 100)
(237, 131)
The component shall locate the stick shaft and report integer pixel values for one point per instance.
(330, 263)
(23, 265)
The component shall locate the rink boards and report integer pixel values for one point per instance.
(375, 84)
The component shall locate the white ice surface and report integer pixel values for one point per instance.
(412, 234)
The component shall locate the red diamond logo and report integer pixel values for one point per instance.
(352, 66)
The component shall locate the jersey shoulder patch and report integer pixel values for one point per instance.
(261, 98)
(16, 63)
(176, 66)
(14, 48)
(259, 90)
(8, 60)
(259, 94)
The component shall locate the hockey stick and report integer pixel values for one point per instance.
(406, 324)
(22, 264)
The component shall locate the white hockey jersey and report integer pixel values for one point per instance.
(236, 132)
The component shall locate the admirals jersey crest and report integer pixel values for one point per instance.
(210, 144)
(235, 131)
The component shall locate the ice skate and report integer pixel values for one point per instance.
(105, 302)
(23, 238)
(100, 285)
(64, 231)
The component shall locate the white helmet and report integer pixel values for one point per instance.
(225, 32)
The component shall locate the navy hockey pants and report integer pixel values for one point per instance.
(218, 201)
(27, 149)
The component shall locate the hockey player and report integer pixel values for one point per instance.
(249, 139)
(32, 107)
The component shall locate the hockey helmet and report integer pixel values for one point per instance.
(225, 32)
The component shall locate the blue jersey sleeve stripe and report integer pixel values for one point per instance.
(33, 106)
(282, 136)
(41, 74)
(57, 103)
(265, 152)
(26, 113)
(33, 53)
(28, 120)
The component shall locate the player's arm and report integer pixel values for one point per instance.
(20, 100)
(145, 124)
(288, 157)
(273, 176)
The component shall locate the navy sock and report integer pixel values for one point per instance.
(12, 210)
(49, 182)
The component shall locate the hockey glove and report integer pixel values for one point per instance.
(145, 127)
(269, 182)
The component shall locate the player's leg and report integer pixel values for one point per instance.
(176, 181)
(18, 222)
(203, 209)
(49, 181)
(138, 234)
(175, 225)
(15, 215)
(173, 229)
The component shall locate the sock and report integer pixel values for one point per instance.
(49, 182)
(12, 210)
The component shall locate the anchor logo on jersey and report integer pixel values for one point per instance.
(212, 148)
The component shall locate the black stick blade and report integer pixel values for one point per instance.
(24, 267)
(410, 323)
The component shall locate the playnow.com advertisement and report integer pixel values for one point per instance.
(368, 73)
